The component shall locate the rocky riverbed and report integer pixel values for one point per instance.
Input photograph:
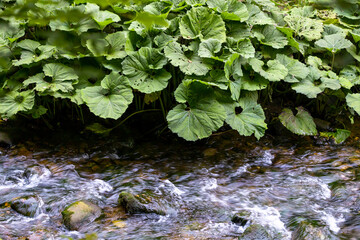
(223, 188)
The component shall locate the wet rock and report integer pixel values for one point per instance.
(133, 205)
(27, 206)
(351, 227)
(79, 214)
(308, 231)
(35, 171)
(256, 232)
(209, 152)
(5, 139)
(241, 218)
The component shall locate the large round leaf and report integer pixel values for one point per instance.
(13, 102)
(230, 9)
(202, 23)
(316, 82)
(353, 101)
(296, 69)
(197, 122)
(302, 123)
(145, 70)
(199, 114)
(111, 99)
(188, 65)
(334, 42)
(56, 77)
(274, 71)
(251, 120)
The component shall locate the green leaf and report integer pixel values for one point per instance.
(202, 23)
(197, 122)
(202, 114)
(275, 70)
(334, 42)
(29, 45)
(339, 136)
(245, 48)
(145, 70)
(272, 37)
(30, 54)
(251, 119)
(353, 52)
(208, 48)
(195, 3)
(103, 18)
(234, 73)
(349, 77)
(112, 47)
(38, 111)
(111, 99)
(356, 34)
(74, 19)
(238, 31)
(12, 102)
(230, 10)
(258, 17)
(302, 123)
(353, 101)
(303, 25)
(316, 82)
(188, 65)
(296, 69)
(292, 41)
(56, 77)
(254, 83)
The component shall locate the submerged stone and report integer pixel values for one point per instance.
(307, 230)
(256, 232)
(27, 206)
(35, 171)
(241, 218)
(132, 205)
(79, 214)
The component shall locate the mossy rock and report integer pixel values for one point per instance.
(27, 206)
(241, 218)
(256, 232)
(79, 214)
(312, 230)
(132, 205)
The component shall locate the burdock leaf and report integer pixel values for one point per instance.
(302, 123)
(111, 99)
(144, 69)
(202, 23)
(334, 42)
(12, 102)
(188, 65)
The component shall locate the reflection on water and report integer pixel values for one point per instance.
(291, 189)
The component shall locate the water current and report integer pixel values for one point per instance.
(295, 189)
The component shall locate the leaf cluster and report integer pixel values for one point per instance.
(207, 62)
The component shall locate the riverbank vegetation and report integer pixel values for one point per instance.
(196, 65)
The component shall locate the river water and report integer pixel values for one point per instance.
(296, 189)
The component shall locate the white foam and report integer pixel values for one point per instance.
(332, 221)
(173, 188)
(269, 216)
(210, 184)
(240, 170)
(267, 157)
(97, 186)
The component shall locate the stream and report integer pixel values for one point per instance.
(296, 189)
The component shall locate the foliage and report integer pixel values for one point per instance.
(204, 63)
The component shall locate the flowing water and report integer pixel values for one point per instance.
(280, 185)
